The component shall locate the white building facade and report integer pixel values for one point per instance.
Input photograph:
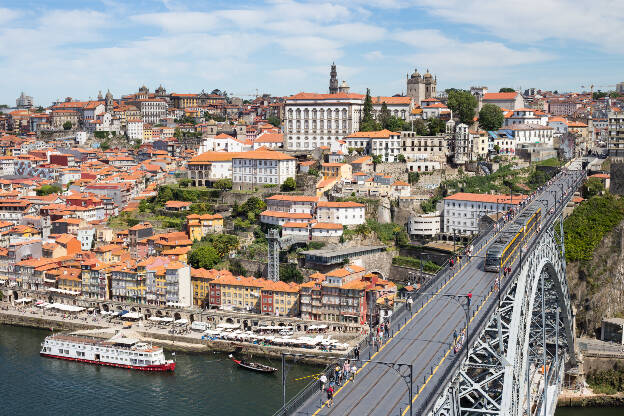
(345, 213)
(462, 211)
(261, 167)
(314, 120)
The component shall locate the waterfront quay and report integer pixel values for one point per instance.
(176, 336)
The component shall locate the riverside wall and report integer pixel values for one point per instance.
(172, 342)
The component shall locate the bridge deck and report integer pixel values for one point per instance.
(423, 338)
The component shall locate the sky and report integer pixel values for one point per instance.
(55, 49)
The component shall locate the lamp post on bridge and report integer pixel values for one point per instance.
(465, 306)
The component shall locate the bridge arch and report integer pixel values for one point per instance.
(526, 331)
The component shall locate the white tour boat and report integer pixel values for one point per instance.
(116, 352)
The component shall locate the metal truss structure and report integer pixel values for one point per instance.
(516, 365)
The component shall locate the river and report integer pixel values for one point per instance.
(203, 384)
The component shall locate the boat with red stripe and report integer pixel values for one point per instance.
(118, 351)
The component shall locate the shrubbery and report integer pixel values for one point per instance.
(590, 221)
(428, 266)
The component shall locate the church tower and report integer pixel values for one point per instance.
(420, 87)
(108, 102)
(333, 80)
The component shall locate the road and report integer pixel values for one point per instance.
(426, 340)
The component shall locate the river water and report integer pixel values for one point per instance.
(203, 384)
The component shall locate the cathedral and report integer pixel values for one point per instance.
(421, 87)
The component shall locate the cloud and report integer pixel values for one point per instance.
(312, 47)
(533, 21)
(374, 56)
(459, 61)
(7, 15)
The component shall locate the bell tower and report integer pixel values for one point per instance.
(333, 80)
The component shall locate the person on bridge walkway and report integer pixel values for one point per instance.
(346, 367)
(322, 381)
(330, 396)
(356, 353)
(353, 371)
(337, 374)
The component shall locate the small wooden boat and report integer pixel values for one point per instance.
(260, 368)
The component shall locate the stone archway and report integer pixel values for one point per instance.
(246, 325)
(229, 321)
(105, 307)
(159, 313)
(133, 309)
(177, 316)
(15, 295)
(191, 318)
(119, 308)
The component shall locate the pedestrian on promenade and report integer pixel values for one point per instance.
(356, 353)
(346, 367)
(337, 374)
(322, 381)
(353, 371)
(387, 330)
(330, 396)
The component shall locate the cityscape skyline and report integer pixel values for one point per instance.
(285, 47)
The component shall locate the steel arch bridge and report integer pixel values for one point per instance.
(529, 338)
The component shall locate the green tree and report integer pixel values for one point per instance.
(145, 206)
(205, 257)
(164, 194)
(223, 184)
(592, 187)
(463, 104)
(47, 190)
(224, 244)
(289, 185)
(435, 126)
(368, 123)
(384, 116)
(420, 127)
(497, 148)
(274, 120)
(397, 124)
(491, 117)
(67, 125)
(598, 95)
(377, 159)
(506, 89)
(290, 273)
(250, 209)
(185, 183)
(236, 268)
(401, 158)
(313, 172)
(412, 177)
(401, 238)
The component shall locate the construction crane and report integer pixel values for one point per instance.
(591, 88)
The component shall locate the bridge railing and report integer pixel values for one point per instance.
(447, 373)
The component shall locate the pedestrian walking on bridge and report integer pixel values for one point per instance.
(330, 396)
(322, 381)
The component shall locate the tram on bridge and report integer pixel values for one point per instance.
(501, 252)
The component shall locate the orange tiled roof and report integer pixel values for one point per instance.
(505, 199)
(280, 214)
(347, 204)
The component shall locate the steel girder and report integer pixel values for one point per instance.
(529, 333)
